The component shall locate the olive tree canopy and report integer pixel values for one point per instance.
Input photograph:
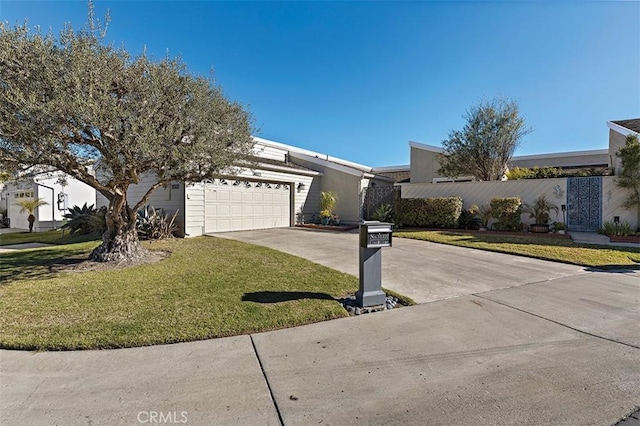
(74, 103)
(486, 143)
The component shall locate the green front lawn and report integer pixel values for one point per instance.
(47, 237)
(208, 287)
(555, 249)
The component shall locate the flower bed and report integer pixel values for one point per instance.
(625, 239)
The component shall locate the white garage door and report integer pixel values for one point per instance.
(234, 205)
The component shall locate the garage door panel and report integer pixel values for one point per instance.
(245, 205)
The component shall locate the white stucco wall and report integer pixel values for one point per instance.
(77, 193)
(612, 198)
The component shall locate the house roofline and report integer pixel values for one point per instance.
(426, 147)
(328, 163)
(562, 154)
(621, 129)
(313, 154)
(387, 169)
(288, 170)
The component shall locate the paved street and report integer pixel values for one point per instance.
(553, 344)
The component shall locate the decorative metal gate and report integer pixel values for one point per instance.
(374, 197)
(584, 203)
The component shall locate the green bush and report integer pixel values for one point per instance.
(441, 212)
(616, 229)
(519, 173)
(470, 219)
(507, 212)
(554, 172)
(85, 220)
(154, 224)
(383, 213)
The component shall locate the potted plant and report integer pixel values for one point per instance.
(328, 201)
(539, 211)
(325, 217)
(30, 207)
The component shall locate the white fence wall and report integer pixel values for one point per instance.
(612, 198)
(527, 189)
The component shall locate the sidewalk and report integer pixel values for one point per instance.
(561, 351)
(595, 238)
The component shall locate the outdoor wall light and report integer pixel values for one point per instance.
(563, 207)
(301, 186)
(616, 219)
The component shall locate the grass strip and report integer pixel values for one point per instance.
(554, 249)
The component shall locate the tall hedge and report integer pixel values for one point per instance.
(440, 212)
(506, 211)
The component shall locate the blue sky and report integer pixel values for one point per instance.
(358, 80)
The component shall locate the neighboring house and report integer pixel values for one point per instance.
(618, 132)
(424, 162)
(282, 189)
(589, 201)
(59, 190)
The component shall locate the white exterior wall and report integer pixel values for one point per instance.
(170, 198)
(78, 193)
(612, 198)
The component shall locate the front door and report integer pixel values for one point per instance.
(584, 203)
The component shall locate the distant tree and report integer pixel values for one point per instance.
(486, 143)
(74, 103)
(629, 177)
(30, 206)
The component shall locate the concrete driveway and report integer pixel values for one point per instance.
(421, 270)
(562, 350)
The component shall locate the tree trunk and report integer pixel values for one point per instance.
(120, 240)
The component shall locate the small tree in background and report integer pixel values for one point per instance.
(485, 145)
(629, 177)
(30, 206)
(73, 103)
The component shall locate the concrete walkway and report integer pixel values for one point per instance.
(14, 247)
(599, 239)
(560, 347)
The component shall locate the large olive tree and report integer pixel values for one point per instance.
(106, 118)
(486, 143)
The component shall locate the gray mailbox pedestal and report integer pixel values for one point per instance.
(373, 236)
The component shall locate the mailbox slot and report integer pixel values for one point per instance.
(376, 235)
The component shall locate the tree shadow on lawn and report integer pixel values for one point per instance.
(36, 264)
(284, 296)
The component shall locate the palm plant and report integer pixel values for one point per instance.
(30, 207)
(328, 201)
(539, 211)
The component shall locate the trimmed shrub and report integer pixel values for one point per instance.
(507, 213)
(441, 212)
